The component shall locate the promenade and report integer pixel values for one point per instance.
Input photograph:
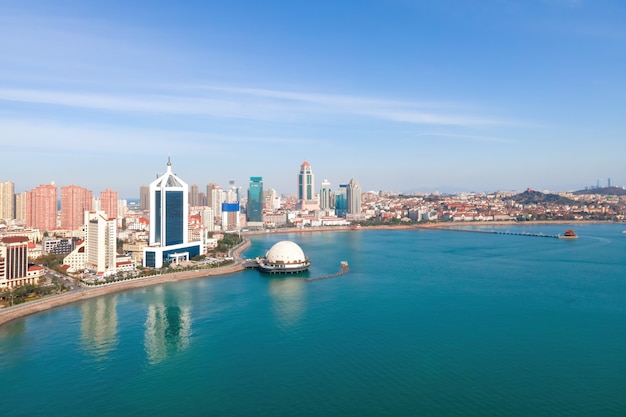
(31, 307)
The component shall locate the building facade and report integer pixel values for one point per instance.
(254, 208)
(100, 243)
(325, 196)
(169, 222)
(14, 269)
(109, 203)
(75, 201)
(7, 200)
(41, 207)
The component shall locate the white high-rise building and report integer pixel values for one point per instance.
(7, 200)
(169, 222)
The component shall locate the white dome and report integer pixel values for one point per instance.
(285, 252)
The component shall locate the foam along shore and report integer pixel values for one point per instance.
(32, 307)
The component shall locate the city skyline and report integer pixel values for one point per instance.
(404, 96)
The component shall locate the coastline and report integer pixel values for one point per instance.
(8, 314)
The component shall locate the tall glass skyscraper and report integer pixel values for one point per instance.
(169, 204)
(341, 197)
(254, 212)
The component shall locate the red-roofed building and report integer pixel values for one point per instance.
(14, 270)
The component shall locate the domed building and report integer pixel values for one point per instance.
(285, 257)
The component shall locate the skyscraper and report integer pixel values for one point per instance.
(7, 200)
(41, 207)
(353, 198)
(75, 200)
(254, 210)
(306, 182)
(169, 207)
(194, 196)
(144, 197)
(325, 195)
(109, 203)
(341, 200)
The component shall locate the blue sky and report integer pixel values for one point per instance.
(451, 95)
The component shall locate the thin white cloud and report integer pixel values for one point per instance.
(250, 104)
(472, 138)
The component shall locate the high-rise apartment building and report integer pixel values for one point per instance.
(109, 203)
(144, 197)
(169, 221)
(41, 207)
(20, 207)
(194, 196)
(7, 200)
(100, 242)
(254, 208)
(75, 200)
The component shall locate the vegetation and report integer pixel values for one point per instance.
(54, 262)
(28, 292)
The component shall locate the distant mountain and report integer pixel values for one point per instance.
(602, 191)
(537, 197)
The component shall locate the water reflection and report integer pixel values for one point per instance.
(287, 299)
(99, 326)
(168, 324)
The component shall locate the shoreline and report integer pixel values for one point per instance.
(8, 314)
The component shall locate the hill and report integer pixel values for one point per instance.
(537, 197)
(602, 191)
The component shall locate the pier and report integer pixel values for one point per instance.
(344, 270)
(496, 232)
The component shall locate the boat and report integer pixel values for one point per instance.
(569, 234)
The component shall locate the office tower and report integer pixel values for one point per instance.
(306, 182)
(608, 182)
(41, 207)
(109, 203)
(144, 197)
(75, 200)
(341, 196)
(100, 242)
(7, 200)
(325, 196)
(169, 221)
(232, 195)
(353, 197)
(254, 212)
(14, 262)
(194, 197)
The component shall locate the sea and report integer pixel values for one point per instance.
(425, 323)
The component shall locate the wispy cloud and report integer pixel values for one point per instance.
(253, 104)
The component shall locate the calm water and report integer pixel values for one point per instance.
(427, 323)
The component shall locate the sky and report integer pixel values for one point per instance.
(402, 95)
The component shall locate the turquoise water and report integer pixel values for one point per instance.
(426, 323)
